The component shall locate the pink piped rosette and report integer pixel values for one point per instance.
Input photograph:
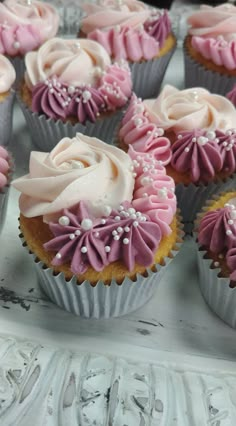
(24, 26)
(74, 88)
(204, 153)
(7, 96)
(6, 166)
(97, 217)
(216, 233)
(130, 30)
(213, 31)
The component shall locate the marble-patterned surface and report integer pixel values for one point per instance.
(44, 386)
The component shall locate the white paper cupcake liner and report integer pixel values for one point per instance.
(4, 195)
(101, 301)
(196, 75)
(216, 291)
(147, 76)
(46, 132)
(6, 113)
(191, 198)
(18, 63)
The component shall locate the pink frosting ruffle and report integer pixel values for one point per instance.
(18, 39)
(4, 167)
(219, 51)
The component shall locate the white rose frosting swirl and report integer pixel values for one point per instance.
(7, 74)
(74, 61)
(195, 108)
(82, 168)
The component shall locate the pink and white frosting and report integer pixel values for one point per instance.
(76, 78)
(232, 95)
(7, 74)
(213, 31)
(217, 233)
(25, 25)
(206, 143)
(102, 204)
(4, 167)
(127, 29)
(196, 108)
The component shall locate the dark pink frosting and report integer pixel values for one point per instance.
(86, 240)
(227, 146)
(231, 262)
(217, 230)
(57, 100)
(232, 95)
(196, 153)
(158, 27)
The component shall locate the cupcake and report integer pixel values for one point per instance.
(5, 175)
(129, 29)
(24, 26)
(70, 85)
(101, 225)
(7, 79)
(209, 48)
(192, 133)
(216, 238)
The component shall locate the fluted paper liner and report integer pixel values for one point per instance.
(46, 132)
(196, 75)
(101, 301)
(4, 195)
(6, 113)
(18, 63)
(147, 76)
(191, 198)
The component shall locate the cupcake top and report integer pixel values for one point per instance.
(75, 77)
(100, 203)
(4, 167)
(232, 95)
(7, 74)
(128, 29)
(213, 31)
(25, 25)
(192, 129)
(217, 233)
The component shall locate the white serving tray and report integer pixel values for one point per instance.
(170, 363)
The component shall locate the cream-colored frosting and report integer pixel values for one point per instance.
(109, 13)
(7, 74)
(195, 108)
(74, 61)
(42, 16)
(82, 168)
(214, 21)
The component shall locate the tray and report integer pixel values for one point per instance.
(170, 363)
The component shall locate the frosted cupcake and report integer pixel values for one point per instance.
(5, 175)
(70, 85)
(216, 236)
(101, 225)
(24, 26)
(210, 46)
(131, 30)
(7, 79)
(192, 133)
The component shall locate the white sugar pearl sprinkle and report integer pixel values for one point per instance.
(64, 221)
(216, 264)
(103, 221)
(86, 224)
(127, 229)
(135, 223)
(126, 241)
(77, 232)
(119, 229)
(228, 232)
(72, 236)
(116, 237)
(117, 218)
(230, 222)
(107, 249)
(84, 249)
(58, 255)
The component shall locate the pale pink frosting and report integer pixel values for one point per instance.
(7, 74)
(26, 26)
(214, 21)
(115, 85)
(4, 167)
(196, 108)
(214, 32)
(107, 14)
(127, 43)
(144, 135)
(154, 191)
(74, 61)
(81, 168)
